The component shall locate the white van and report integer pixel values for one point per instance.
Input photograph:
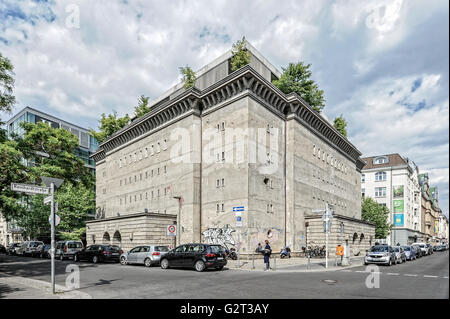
(27, 248)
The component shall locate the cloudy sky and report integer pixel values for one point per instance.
(383, 64)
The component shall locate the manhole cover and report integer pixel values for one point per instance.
(329, 281)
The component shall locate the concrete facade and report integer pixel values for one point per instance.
(232, 141)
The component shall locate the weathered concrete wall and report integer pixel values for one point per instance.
(149, 172)
(364, 239)
(131, 232)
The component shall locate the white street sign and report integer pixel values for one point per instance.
(171, 230)
(47, 200)
(30, 189)
(238, 219)
(57, 220)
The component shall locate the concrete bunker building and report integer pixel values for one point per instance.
(233, 140)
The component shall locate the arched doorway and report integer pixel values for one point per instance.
(117, 238)
(106, 238)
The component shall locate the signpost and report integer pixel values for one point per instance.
(171, 231)
(238, 210)
(54, 220)
(327, 216)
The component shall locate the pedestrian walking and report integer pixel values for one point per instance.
(267, 253)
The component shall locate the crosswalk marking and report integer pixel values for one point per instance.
(392, 274)
(429, 276)
(410, 275)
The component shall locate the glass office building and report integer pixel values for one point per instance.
(87, 143)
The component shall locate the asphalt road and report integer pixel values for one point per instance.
(423, 278)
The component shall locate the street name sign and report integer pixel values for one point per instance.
(47, 200)
(30, 189)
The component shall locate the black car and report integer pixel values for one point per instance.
(2, 249)
(98, 253)
(43, 251)
(198, 256)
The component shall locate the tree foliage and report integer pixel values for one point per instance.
(376, 214)
(340, 124)
(7, 99)
(51, 151)
(142, 108)
(109, 124)
(12, 170)
(297, 78)
(189, 77)
(240, 55)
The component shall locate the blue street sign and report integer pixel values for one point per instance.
(238, 209)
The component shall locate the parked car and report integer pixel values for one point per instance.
(98, 253)
(44, 251)
(423, 248)
(12, 249)
(67, 249)
(429, 249)
(380, 254)
(400, 255)
(198, 256)
(146, 255)
(28, 248)
(410, 252)
(2, 249)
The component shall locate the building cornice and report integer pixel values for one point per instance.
(247, 80)
(130, 216)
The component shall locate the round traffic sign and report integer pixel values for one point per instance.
(171, 229)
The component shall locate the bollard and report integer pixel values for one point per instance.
(309, 256)
(253, 260)
(274, 262)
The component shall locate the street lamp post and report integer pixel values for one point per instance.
(177, 243)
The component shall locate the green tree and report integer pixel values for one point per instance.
(142, 108)
(51, 152)
(189, 77)
(340, 124)
(7, 100)
(75, 203)
(34, 219)
(240, 55)
(109, 124)
(376, 214)
(297, 78)
(12, 170)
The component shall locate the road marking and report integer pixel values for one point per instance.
(392, 273)
(409, 275)
(361, 271)
(429, 276)
(347, 270)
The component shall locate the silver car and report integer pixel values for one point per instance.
(67, 249)
(148, 255)
(400, 255)
(28, 247)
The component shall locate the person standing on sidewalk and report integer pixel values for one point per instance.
(267, 253)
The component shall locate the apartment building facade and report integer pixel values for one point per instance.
(392, 181)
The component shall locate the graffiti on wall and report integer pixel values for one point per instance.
(221, 236)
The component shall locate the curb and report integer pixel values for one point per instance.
(280, 270)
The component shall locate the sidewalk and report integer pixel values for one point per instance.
(293, 264)
(14, 287)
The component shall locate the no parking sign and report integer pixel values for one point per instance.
(171, 230)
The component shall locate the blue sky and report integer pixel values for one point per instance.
(382, 64)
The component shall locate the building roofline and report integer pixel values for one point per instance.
(243, 81)
(43, 114)
(220, 59)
